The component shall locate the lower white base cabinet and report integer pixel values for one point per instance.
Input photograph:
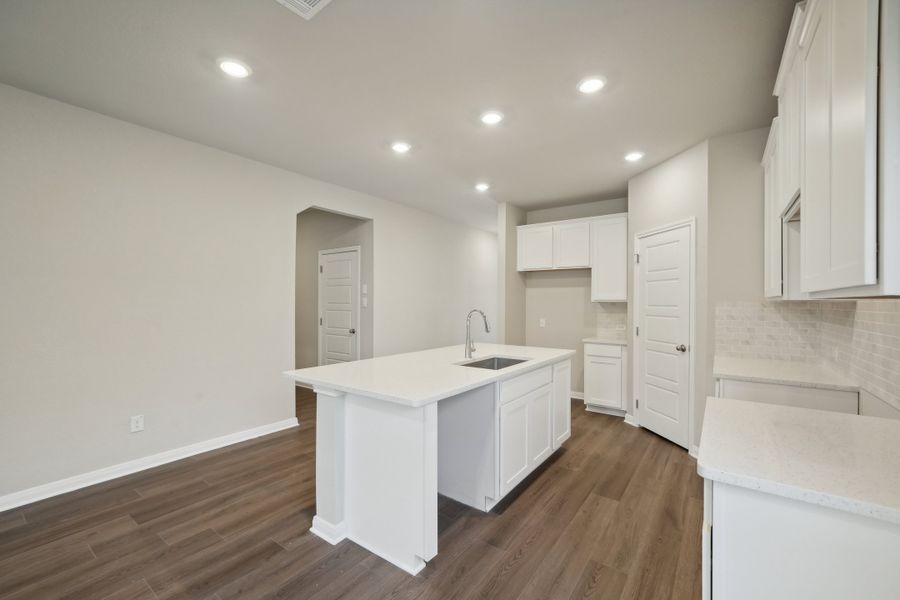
(492, 438)
(604, 376)
(762, 546)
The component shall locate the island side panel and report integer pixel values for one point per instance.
(391, 480)
(467, 447)
(329, 522)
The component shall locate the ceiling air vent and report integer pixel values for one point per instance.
(305, 8)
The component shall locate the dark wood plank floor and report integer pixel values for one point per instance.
(615, 514)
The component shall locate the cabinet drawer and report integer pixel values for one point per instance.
(521, 385)
(608, 350)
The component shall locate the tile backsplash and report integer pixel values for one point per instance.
(611, 318)
(860, 337)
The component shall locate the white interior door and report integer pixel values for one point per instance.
(663, 283)
(338, 305)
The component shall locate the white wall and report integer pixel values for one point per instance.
(720, 183)
(144, 274)
(511, 283)
(576, 211)
(736, 216)
(322, 230)
(563, 298)
(672, 192)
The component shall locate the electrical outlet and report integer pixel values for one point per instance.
(542, 322)
(137, 423)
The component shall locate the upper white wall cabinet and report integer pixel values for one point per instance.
(598, 243)
(609, 258)
(837, 148)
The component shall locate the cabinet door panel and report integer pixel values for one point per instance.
(839, 212)
(817, 151)
(562, 403)
(513, 443)
(609, 260)
(535, 248)
(772, 243)
(572, 245)
(603, 381)
(540, 430)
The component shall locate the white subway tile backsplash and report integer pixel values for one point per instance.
(861, 337)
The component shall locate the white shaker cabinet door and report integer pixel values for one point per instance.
(540, 426)
(535, 248)
(609, 259)
(572, 245)
(603, 381)
(513, 443)
(562, 403)
(839, 181)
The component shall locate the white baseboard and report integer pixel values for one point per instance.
(577, 395)
(604, 411)
(55, 488)
(329, 532)
(630, 420)
(694, 451)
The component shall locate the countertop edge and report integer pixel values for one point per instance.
(419, 402)
(818, 498)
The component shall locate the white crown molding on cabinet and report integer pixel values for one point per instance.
(69, 484)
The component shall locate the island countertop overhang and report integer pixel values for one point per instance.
(424, 377)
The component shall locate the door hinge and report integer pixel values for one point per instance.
(321, 269)
(637, 403)
(320, 320)
(637, 258)
(637, 332)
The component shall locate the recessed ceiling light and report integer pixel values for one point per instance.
(401, 147)
(234, 68)
(492, 117)
(482, 186)
(591, 85)
(634, 156)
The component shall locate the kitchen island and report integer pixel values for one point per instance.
(393, 432)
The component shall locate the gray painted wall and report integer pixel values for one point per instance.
(511, 283)
(672, 192)
(145, 274)
(563, 298)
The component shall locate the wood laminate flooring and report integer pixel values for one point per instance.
(614, 515)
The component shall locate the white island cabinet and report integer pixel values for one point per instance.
(799, 503)
(394, 432)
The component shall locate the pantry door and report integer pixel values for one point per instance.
(663, 289)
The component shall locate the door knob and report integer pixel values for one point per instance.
(681, 348)
(353, 331)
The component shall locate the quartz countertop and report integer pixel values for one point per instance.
(846, 462)
(611, 340)
(786, 372)
(420, 378)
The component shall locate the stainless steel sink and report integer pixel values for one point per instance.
(494, 363)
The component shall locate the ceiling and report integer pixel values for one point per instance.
(328, 96)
